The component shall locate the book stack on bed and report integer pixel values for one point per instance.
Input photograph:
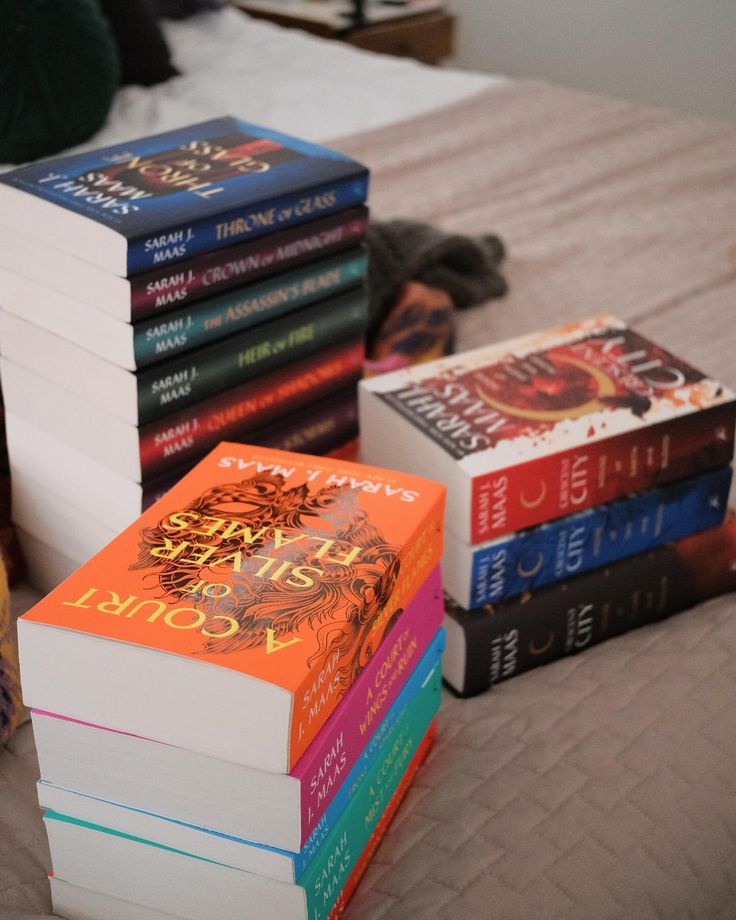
(231, 699)
(160, 296)
(588, 473)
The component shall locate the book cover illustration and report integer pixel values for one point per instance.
(285, 567)
(194, 171)
(567, 385)
(176, 194)
(560, 420)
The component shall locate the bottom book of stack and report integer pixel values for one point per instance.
(105, 854)
(498, 641)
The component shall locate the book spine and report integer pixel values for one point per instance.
(373, 751)
(415, 562)
(384, 822)
(241, 224)
(214, 272)
(337, 855)
(189, 434)
(541, 490)
(309, 430)
(323, 770)
(209, 320)
(532, 558)
(316, 431)
(568, 617)
(214, 368)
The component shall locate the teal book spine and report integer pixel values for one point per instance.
(333, 862)
(185, 380)
(193, 326)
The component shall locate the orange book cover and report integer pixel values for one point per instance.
(284, 567)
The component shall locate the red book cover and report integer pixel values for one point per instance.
(538, 427)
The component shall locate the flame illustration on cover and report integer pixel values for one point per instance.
(287, 558)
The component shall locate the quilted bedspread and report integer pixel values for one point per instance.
(602, 786)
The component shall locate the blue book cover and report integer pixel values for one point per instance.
(195, 189)
(410, 715)
(529, 559)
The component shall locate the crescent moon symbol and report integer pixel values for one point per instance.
(540, 651)
(530, 573)
(534, 502)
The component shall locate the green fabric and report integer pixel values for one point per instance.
(59, 72)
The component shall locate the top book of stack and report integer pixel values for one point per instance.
(133, 207)
(232, 617)
(541, 426)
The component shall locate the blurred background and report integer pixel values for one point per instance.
(673, 53)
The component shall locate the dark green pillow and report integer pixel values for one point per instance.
(59, 72)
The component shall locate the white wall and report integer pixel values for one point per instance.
(675, 53)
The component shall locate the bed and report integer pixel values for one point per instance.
(601, 786)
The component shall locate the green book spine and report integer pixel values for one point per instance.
(209, 320)
(214, 368)
(330, 868)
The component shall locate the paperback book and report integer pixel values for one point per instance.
(132, 299)
(273, 577)
(94, 856)
(75, 901)
(547, 424)
(418, 699)
(80, 512)
(106, 458)
(529, 559)
(71, 900)
(147, 395)
(278, 810)
(496, 642)
(162, 199)
(181, 329)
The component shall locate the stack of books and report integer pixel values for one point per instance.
(161, 296)
(588, 477)
(230, 700)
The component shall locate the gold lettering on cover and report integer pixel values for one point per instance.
(82, 600)
(276, 645)
(199, 618)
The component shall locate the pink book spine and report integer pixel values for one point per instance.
(340, 742)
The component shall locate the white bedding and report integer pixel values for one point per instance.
(285, 79)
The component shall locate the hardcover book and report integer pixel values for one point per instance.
(149, 341)
(163, 289)
(412, 710)
(277, 810)
(148, 394)
(496, 642)
(150, 202)
(547, 424)
(262, 576)
(528, 559)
